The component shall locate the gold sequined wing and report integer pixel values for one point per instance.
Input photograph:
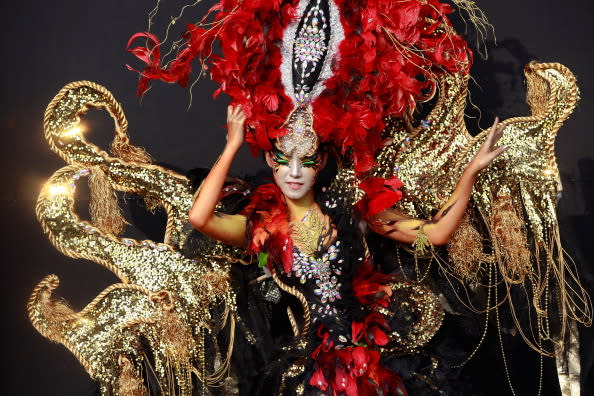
(514, 199)
(98, 334)
(529, 167)
(129, 169)
(164, 297)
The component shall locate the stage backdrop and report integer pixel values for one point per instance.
(46, 45)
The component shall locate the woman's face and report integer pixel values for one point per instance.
(294, 175)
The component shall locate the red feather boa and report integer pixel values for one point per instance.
(380, 194)
(269, 226)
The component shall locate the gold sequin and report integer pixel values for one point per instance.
(300, 140)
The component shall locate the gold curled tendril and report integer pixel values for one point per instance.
(177, 327)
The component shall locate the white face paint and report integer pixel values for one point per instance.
(294, 175)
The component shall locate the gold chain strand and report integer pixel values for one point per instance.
(503, 356)
(490, 285)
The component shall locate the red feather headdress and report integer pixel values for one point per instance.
(384, 65)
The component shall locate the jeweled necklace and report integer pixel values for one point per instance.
(308, 232)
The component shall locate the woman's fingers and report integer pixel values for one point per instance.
(241, 115)
(489, 150)
(495, 123)
(492, 128)
(498, 133)
(235, 113)
(494, 153)
(231, 111)
(495, 133)
(498, 150)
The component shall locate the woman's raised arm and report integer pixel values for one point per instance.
(226, 228)
(441, 227)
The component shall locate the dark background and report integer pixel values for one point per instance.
(46, 45)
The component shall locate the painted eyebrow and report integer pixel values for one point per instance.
(311, 159)
(307, 160)
(279, 156)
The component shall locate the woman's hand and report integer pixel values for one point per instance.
(488, 151)
(235, 126)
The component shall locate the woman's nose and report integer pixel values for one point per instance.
(295, 168)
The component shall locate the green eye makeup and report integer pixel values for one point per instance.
(309, 161)
(279, 158)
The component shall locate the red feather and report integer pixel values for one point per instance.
(380, 194)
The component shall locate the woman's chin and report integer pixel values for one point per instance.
(294, 194)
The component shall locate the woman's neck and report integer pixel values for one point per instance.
(298, 207)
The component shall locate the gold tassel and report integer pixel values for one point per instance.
(55, 312)
(176, 336)
(537, 95)
(121, 148)
(466, 250)
(129, 384)
(174, 333)
(177, 341)
(211, 286)
(509, 237)
(106, 214)
(152, 203)
(422, 244)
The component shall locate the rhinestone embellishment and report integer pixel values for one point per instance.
(310, 47)
(323, 271)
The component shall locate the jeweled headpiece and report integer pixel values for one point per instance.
(301, 139)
